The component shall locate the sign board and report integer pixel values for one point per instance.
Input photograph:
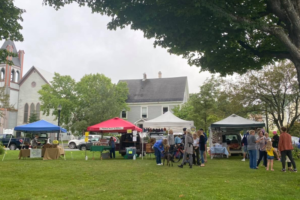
(35, 153)
(86, 139)
(87, 133)
(134, 133)
(110, 128)
(134, 139)
(129, 130)
(193, 129)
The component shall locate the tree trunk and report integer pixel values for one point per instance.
(297, 65)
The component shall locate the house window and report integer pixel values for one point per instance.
(144, 112)
(124, 114)
(165, 109)
(26, 113)
(2, 76)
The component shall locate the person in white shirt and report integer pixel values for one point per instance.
(196, 150)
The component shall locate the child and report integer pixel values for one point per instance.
(270, 155)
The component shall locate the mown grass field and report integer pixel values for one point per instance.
(77, 178)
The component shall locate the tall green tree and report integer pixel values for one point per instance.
(10, 17)
(224, 36)
(90, 101)
(33, 117)
(275, 89)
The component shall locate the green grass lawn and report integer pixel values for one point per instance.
(141, 179)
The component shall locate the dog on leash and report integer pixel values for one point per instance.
(168, 156)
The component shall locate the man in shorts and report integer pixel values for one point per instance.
(275, 141)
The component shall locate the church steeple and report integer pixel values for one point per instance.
(12, 73)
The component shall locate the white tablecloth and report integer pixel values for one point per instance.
(219, 150)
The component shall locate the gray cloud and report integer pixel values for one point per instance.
(73, 41)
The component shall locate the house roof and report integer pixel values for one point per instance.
(15, 60)
(156, 90)
(47, 76)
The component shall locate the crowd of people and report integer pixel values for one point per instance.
(194, 147)
(266, 149)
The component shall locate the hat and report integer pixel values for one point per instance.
(201, 129)
(274, 131)
(188, 130)
(184, 129)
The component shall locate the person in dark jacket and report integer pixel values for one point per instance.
(183, 136)
(202, 143)
(112, 147)
(244, 144)
(275, 141)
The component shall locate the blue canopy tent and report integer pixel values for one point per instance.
(40, 126)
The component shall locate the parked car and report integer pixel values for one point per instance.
(73, 144)
(13, 142)
(87, 145)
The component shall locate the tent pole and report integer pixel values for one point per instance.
(62, 143)
(7, 147)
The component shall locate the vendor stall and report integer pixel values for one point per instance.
(169, 121)
(120, 126)
(225, 135)
(48, 151)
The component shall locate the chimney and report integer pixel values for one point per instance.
(144, 76)
(21, 58)
(159, 74)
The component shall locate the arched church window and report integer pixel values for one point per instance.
(2, 74)
(38, 110)
(32, 109)
(17, 76)
(26, 113)
(12, 76)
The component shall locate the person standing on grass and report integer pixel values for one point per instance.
(196, 150)
(188, 149)
(177, 141)
(262, 149)
(112, 145)
(202, 142)
(244, 143)
(275, 141)
(205, 151)
(270, 155)
(171, 141)
(158, 149)
(252, 149)
(285, 148)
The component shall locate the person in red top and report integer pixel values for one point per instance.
(285, 147)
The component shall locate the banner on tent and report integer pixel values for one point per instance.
(110, 128)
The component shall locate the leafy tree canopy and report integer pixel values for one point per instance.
(222, 36)
(33, 117)
(10, 16)
(90, 101)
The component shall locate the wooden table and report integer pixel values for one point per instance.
(47, 153)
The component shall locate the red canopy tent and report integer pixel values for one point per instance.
(114, 125)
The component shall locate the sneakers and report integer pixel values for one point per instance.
(283, 170)
(243, 159)
(181, 166)
(159, 164)
(295, 170)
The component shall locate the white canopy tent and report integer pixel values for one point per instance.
(170, 121)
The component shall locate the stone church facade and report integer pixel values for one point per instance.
(22, 90)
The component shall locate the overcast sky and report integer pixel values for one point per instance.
(73, 41)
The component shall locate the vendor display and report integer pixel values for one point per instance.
(102, 149)
(48, 152)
